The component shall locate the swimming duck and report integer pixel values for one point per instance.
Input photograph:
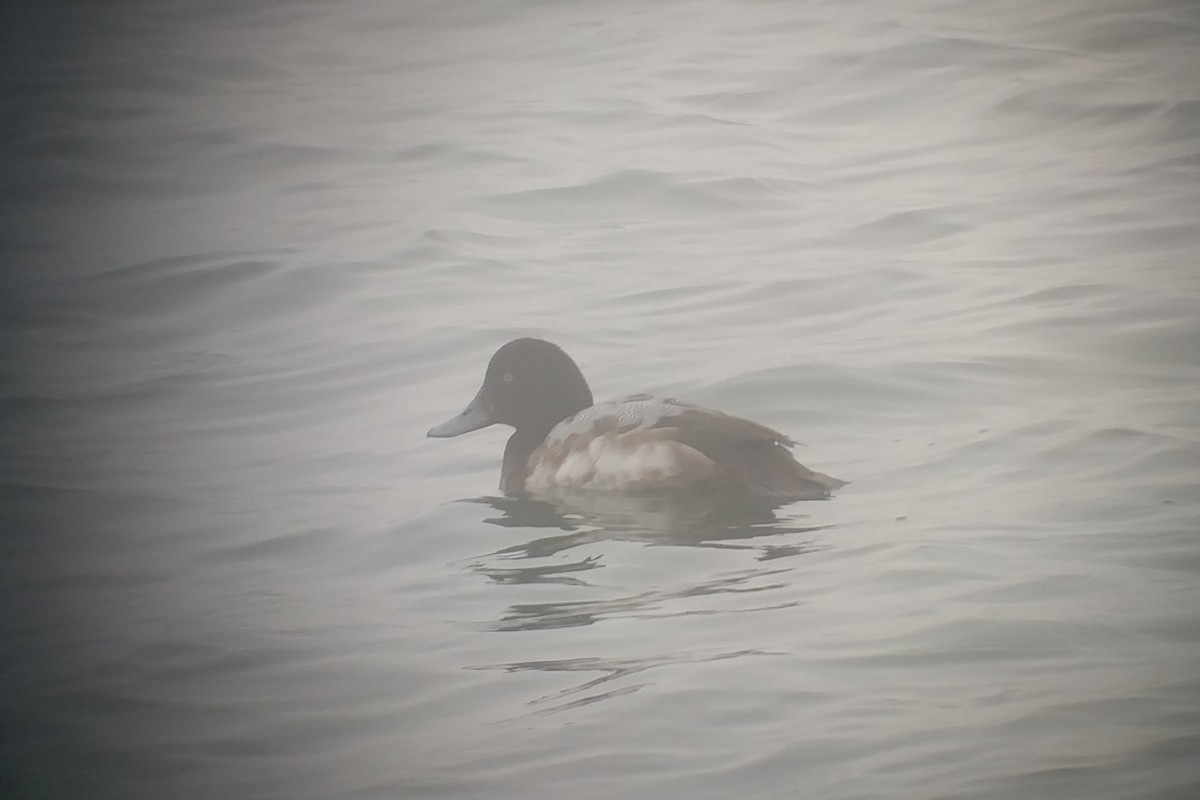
(640, 444)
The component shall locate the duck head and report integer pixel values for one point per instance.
(531, 385)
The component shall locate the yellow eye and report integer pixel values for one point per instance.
(508, 377)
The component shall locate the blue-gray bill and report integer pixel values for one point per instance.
(476, 415)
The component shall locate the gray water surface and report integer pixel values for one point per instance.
(252, 251)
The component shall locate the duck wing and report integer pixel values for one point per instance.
(750, 455)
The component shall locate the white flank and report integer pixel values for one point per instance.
(609, 461)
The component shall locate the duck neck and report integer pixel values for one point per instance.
(530, 433)
(516, 459)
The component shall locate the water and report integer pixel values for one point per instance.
(252, 252)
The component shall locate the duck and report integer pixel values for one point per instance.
(563, 441)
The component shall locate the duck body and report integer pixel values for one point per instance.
(640, 444)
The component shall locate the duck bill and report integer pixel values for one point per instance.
(476, 415)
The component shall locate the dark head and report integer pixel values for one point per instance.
(531, 385)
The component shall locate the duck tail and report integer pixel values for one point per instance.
(772, 472)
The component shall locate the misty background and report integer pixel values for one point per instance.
(251, 251)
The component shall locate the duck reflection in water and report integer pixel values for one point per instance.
(589, 518)
(578, 523)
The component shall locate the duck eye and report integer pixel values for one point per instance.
(508, 377)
